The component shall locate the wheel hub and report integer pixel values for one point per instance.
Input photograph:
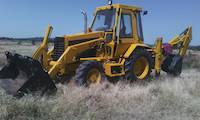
(94, 77)
(141, 68)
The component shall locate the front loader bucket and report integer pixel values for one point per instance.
(23, 75)
(172, 64)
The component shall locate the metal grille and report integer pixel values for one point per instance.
(59, 48)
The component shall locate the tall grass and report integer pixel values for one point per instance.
(191, 60)
(166, 98)
(163, 99)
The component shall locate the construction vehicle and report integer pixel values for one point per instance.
(112, 47)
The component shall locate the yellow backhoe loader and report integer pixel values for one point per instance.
(113, 46)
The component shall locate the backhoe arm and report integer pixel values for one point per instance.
(172, 63)
(182, 41)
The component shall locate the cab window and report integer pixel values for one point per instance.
(139, 26)
(104, 20)
(126, 26)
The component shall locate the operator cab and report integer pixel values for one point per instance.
(124, 22)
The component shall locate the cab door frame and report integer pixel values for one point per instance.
(123, 43)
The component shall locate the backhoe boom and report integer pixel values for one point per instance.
(182, 41)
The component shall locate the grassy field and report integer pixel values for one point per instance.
(166, 98)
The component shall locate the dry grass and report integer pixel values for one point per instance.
(166, 98)
(192, 60)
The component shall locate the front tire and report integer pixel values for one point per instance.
(89, 73)
(138, 66)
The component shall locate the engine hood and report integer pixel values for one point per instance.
(83, 37)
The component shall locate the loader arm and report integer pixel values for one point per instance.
(42, 52)
(182, 41)
(69, 56)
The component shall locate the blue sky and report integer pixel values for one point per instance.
(29, 18)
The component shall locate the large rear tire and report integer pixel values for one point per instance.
(138, 66)
(89, 73)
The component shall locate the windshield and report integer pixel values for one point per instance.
(104, 20)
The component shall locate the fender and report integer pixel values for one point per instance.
(133, 47)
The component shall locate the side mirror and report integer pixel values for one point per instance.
(145, 12)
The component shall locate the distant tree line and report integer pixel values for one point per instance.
(6, 38)
(25, 39)
(194, 47)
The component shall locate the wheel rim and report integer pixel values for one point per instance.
(141, 68)
(94, 77)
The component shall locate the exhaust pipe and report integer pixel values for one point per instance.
(85, 20)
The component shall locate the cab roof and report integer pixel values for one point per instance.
(133, 8)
